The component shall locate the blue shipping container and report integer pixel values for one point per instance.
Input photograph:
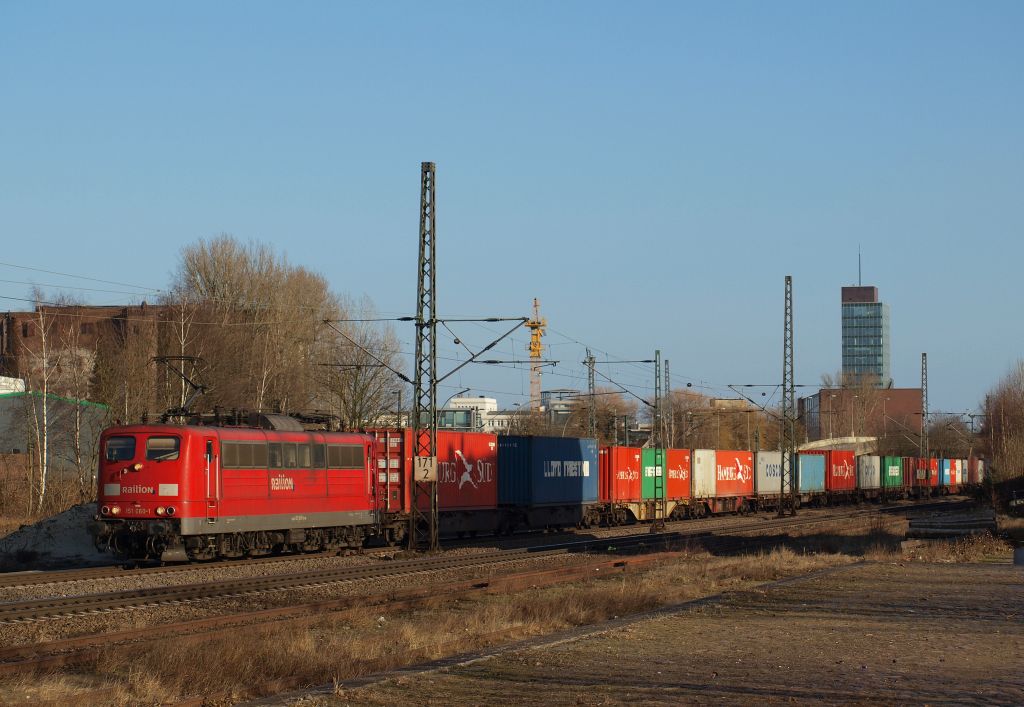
(812, 473)
(944, 472)
(546, 471)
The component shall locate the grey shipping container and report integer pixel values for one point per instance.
(768, 479)
(869, 472)
(547, 471)
(703, 473)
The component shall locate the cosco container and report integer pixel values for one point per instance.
(734, 473)
(652, 470)
(704, 473)
(811, 472)
(547, 471)
(620, 474)
(841, 474)
(869, 472)
(768, 480)
(892, 472)
(677, 465)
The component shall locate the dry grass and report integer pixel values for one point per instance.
(336, 649)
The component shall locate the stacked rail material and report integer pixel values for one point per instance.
(975, 523)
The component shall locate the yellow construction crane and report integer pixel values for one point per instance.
(536, 348)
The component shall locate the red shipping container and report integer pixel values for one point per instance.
(972, 470)
(909, 471)
(467, 466)
(619, 474)
(677, 462)
(841, 471)
(734, 473)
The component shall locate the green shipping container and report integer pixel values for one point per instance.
(652, 474)
(892, 472)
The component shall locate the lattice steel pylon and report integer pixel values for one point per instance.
(591, 391)
(787, 490)
(423, 517)
(669, 423)
(924, 451)
(657, 443)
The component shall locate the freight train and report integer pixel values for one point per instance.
(199, 492)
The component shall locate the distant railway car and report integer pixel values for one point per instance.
(723, 480)
(840, 475)
(892, 477)
(869, 475)
(677, 482)
(547, 481)
(177, 492)
(811, 475)
(619, 484)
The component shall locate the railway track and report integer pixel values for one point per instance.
(52, 607)
(20, 659)
(27, 579)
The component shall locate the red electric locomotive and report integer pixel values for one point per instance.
(183, 492)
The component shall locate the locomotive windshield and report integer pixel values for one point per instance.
(162, 449)
(120, 449)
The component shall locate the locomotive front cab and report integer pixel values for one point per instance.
(142, 490)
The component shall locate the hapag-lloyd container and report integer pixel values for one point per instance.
(768, 480)
(652, 467)
(841, 474)
(547, 471)
(703, 473)
(927, 473)
(892, 472)
(869, 472)
(467, 464)
(734, 473)
(619, 474)
(677, 482)
(811, 472)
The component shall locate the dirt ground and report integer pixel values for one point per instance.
(890, 633)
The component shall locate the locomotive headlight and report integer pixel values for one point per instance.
(170, 510)
(160, 510)
(114, 510)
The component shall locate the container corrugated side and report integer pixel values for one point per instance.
(892, 472)
(547, 471)
(652, 468)
(869, 472)
(811, 472)
(734, 473)
(677, 463)
(945, 469)
(841, 474)
(768, 480)
(704, 473)
(620, 474)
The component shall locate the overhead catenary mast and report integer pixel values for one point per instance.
(536, 349)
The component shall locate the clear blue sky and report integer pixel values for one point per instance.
(650, 171)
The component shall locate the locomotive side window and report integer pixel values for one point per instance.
(319, 456)
(345, 456)
(304, 457)
(120, 449)
(290, 460)
(245, 456)
(259, 455)
(162, 449)
(229, 454)
(275, 455)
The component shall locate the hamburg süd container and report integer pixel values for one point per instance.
(620, 474)
(734, 473)
(811, 472)
(841, 474)
(547, 471)
(869, 472)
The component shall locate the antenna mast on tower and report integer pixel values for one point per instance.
(536, 348)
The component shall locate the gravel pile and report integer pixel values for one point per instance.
(59, 541)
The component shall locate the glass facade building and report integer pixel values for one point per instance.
(865, 336)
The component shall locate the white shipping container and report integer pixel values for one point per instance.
(703, 473)
(767, 480)
(869, 472)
